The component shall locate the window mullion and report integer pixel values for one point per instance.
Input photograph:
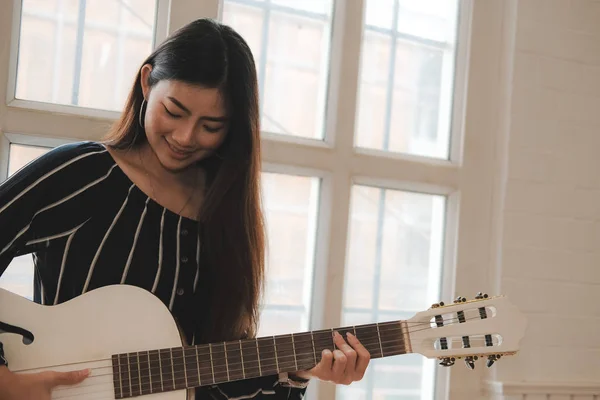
(335, 202)
(4, 154)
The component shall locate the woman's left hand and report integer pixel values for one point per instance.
(344, 365)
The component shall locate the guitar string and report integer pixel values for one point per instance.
(141, 388)
(219, 376)
(328, 339)
(365, 342)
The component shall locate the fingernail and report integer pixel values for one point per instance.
(337, 334)
(326, 352)
(350, 335)
(85, 372)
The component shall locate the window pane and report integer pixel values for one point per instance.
(18, 277)
(290, 205)
(290, 41)
(70, 49)
(394, 270)
(407, 76)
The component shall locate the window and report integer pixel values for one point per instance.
(367, 157)
(290, 41)
(407, 76)
(290, 205)
(394, 270)
(69, 49)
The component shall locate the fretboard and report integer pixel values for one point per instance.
(163, 370)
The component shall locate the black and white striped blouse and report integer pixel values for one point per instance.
(88, 225)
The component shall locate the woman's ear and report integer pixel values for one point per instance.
(144, 75)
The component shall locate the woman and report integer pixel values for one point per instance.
(168, 202)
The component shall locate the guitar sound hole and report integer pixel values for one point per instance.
(27, 335)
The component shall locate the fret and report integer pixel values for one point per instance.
(268, 360)
(118, 384)
(144, 372)
(322, 340)
(392, 338)
(192, 375)
(139, 373)
(156, 382)
(258, 358)
(205, 364)
(294, 351)
(226, 359)
(333, 340)
(150, 372)
(172, 368)
(284, 353)
(187, 385)
(125, 375)
(275, 354)
(212, 364)
(134, 379)
(344, 331)
(250, 359)
(379, 337)
(242, 358)
(198, 365)
(312, 339)
(166, 366)
(219, 360)
(367, 334)
(304, 350)
(178, 368)
(234, 360)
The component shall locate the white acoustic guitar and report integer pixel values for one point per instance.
(133, 346)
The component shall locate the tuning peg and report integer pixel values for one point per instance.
(460, 299)
(481, 296)
(492, 359)
(447, 362)
(438, 305)
(470, 361)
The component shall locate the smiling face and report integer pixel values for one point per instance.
(184, 123)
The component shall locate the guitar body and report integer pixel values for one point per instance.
(84, 333)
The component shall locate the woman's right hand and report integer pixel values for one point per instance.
(35, 386)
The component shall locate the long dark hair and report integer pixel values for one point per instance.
(210, 54)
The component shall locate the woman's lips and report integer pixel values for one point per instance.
(178, 153)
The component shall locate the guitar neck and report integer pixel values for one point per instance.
(163, 370)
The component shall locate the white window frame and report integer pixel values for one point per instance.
(467, 178)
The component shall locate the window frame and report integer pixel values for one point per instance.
(466, 178)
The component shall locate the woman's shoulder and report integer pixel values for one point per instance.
(64, 162)
(73, 152)
(65, 158)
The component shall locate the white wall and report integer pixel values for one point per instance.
(549, 201)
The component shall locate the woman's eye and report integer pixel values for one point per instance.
(212, 129)
(171, 114)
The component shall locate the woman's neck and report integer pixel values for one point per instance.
(188, 177)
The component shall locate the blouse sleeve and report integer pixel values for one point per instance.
(22, 197)
(25, 194)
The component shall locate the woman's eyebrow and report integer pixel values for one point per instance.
(188, 112)
(178, 104)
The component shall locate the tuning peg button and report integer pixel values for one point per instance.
(447, 362)
(492, 359)
(470, 362)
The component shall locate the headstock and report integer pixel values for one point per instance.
(485, 327)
